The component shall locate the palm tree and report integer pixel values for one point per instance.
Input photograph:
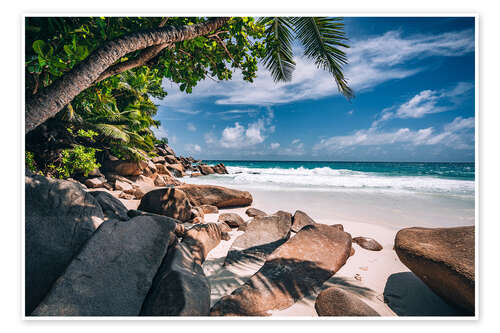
(320, 37)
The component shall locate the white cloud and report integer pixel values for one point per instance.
(371, 61)
(191, 127)
(294, 142)
(426, 102)
(240, 136)
(192, 148)
(455, 135)
(275, 145)
(350, 112)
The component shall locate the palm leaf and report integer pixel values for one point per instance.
(278, 57)
(113, 131)
(322, 39)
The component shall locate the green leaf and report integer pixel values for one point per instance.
(322, 39)
(38, 45)
(278, 56)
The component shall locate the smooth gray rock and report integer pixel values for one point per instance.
(262, 236)
(113, 273)
(60, 217)
(112, 208)
(180, 287)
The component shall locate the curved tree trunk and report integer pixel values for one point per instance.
(49, 101)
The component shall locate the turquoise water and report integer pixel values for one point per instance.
(465, 171)
(392, 194)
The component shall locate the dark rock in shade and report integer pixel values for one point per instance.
(367, 243)
(444, 259)
(167, 201)
(252, 212)
(209, 209)
(262, 236)
(231, 219)
(112, 208)
(294, 270)
(60, 218)
(114, 271)
(300, 220)
(336, 301)
(221, 197)
(180, 287)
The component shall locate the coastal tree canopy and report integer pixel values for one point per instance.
(96, 74)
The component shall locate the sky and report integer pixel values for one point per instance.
(414, 82)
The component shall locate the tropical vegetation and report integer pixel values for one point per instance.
(90, 80)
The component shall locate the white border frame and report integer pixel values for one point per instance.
(107, 13)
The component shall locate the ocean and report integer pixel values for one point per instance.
(392, 193)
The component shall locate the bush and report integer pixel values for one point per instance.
(29, 161)
(79, 160)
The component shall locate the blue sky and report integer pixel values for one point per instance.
(414, 85)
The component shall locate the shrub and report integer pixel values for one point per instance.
(79, 160)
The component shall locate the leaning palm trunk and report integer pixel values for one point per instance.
(49, 101)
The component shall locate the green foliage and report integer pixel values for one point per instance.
(322, 38)
(79, 160)
(29, 161)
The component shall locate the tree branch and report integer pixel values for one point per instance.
(53, 98)
(141, 60)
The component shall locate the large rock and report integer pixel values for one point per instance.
(180, 287)
(171, 159)
(336, 301)
(300, 220)
(124, 168)
(158, 159)
(205, 169)
(114, 271)
(60, 218)
(444, 259)
(262, 236)
(294, 270)
(112, 208)
(170, 202)
(220, 169)
(231, 219)
(219, 196)
(163, 170)
(176, 169)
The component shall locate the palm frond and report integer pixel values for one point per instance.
(113, 131)
(322, 39)
(278, 58)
